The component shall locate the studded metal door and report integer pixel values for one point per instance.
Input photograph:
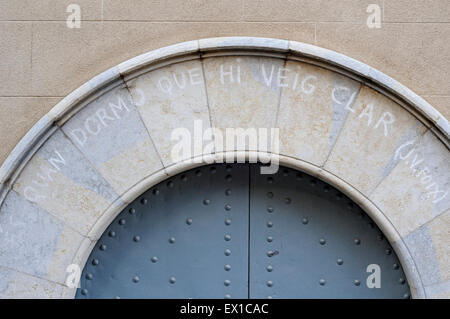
(226, 231)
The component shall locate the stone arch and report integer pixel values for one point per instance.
(109, 140)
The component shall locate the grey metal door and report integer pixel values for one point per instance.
(226, 231)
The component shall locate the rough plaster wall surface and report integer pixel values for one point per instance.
(42, 60)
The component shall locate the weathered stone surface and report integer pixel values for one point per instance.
(172, 98)
(61, 180)
(110, 133)
(438, 291)
(241, 94)
(439, 229)
(17, 285)
(47, 255)
(429, 246)
(417, 188)
(376, 126)
(313, 108)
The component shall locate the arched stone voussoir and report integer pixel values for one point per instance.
(119, 134)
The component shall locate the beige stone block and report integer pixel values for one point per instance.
(375, 127)
(242, 95)
(15, 62)
(440, 233)
(313, 111)
(17, 116)
(61, 181)
(417, 189)
(307, 10)
(173, 10)
(169, 99)
(86, 52)
(48, 9)
(16, 285)
(410, 53)
(416, 11)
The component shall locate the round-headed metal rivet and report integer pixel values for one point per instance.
(213, 170)
(227, 237)
(144, 201)
(95, 262)
(270, 194)
(155, 191)
(271, 253)
(357, 241)
(184, 178)
(172, 240)
(270, 180)
(135, 279)
(269, 297)
(227, 221)
(116, 297)
(350, 206)
(227, 207)
(269, 224)
(89, 276)
(228, 178)
(172, 280)
(170, 184)
(227, 252)
(227, 296)
(406, 296)
(357, 282)
(112, 234)
(228, 192)
(136, 238)
(227, 282)
(322, 282)
(227, 267)
(287, 200)
(313, 182)
(339, 196)
(198, 173)
(269, 283)
(326, 188)
(270, 209)
(206, 202)
(380, 237)
(402, 281)
(322, 241)
(305, 220)
(154, 259)
(84, 292)
(269, 268)
(189, 221)
(122, 221)
(395, 266)
(299, 176)
(132, 211)
(270, 239)
(339, 261)
(103, 247)
(388, 251)
(285, 172)
(371, 224)
(228, 168)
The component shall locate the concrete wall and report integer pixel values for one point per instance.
(42, 60)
